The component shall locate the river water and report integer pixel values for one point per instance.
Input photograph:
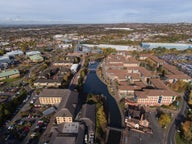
(94, 85)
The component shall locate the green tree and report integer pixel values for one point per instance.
(164, 120)
(2, 52)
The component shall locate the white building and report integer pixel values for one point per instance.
(32, 53)
(14, 53)
(166, 45)
(117, 47)
(74, 68)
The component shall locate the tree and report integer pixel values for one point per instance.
(107, 51)
(2, 52)
(164, 120)
(187, 130)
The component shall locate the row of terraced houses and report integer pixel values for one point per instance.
(137, 84)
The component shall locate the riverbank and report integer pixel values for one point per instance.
(101, 79)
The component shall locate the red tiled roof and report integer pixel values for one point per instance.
(145, 72)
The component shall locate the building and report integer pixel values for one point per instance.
(63, 115)
(117, 47)
(126, 90)
(88, 116)
(36, 58)
(74, 68)
(166, 45)
(145, 74)
(5, 61)
(33, 53)
(144, 56)
(153, 97)
(63, 63)
(14, 73)
(54, 96)
(66, 109)
(174, 78)
(82, 49)
(68, 133)
(48, 83)
(156, 60)
(14, 53)
(173, 74)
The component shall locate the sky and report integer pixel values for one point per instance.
(95, 11)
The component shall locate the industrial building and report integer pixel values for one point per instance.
(14, 73)
(36, 58)
(33, 53)
(178, 46)
(14, 53)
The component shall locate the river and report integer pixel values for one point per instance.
(94, 85)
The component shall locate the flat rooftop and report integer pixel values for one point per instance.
(70, 127)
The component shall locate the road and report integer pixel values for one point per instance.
(179, 118)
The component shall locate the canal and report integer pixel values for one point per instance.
(94, 85)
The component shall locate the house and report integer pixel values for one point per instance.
(126, 90)
(7, 74)
(145, 74)
(154, 97)
(48, 83)
(126, 54)
(143, 56)
(131, 62)
(135, 118)
(174, 78)
(156, 60)
(63, 63)
(173, 74)
(133, 69)
(157, 83)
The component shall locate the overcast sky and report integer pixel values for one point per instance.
(95, 11)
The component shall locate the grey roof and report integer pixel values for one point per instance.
(62, 137)
(42, 80)
(64, 112)
(49, 111)
(64, 93)
(68, 106)
(88, 111)
(4, 59)
(88, 115)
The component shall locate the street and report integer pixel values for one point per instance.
(175, 123)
